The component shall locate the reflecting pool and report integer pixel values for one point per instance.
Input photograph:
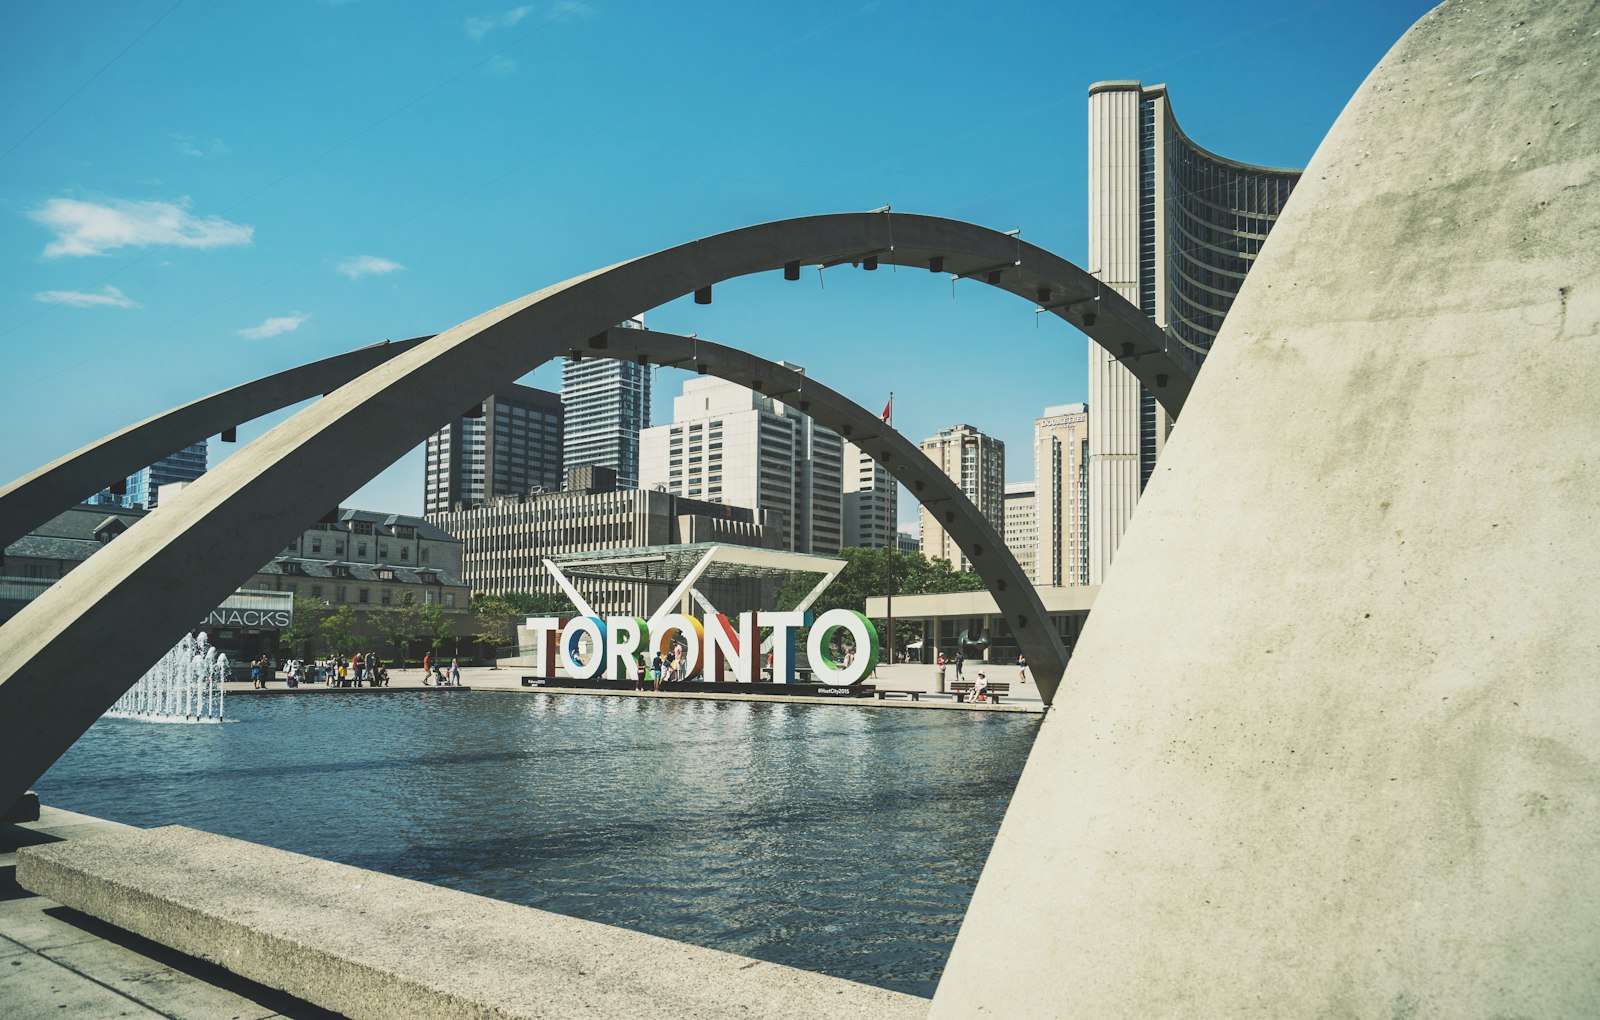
(840, 840)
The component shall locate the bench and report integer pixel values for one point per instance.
(366, 944)
(962, 688)
(913, 695)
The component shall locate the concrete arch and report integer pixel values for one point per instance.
(226, 524)
(41, 494)
(45, 492)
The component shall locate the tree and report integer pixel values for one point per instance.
(498, 616)
(399, 624)
(436, 624)
(866, 575)
(337, 628)
(304, 626)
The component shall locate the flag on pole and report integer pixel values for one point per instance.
(888, 409)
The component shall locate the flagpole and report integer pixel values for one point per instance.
(894, 543)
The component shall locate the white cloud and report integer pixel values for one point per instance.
(201, 148)
(274, 326)
(357, 266)
(500, 65)
(89, 228)
(561, 10)
(109, 297)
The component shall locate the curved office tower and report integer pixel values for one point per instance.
(1174, 229)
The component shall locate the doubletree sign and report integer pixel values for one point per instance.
(618, 646)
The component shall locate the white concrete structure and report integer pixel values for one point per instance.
(1022, 526)
(870, 501)
(728, 443)
(977, 463)
(1174, 229)
(606, 403)
(1061, 472)
(1328, 744)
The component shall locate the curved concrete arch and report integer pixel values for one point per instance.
(195, 549)
(41, 494)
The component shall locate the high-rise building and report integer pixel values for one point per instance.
(1022, 526)
(1061, 472)
(143, 487)
(730, 444)
(514, 448)
(977, 463)
(869, 501)
(607, 405)
(1174, 229)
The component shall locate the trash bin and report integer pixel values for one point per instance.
(938, 683)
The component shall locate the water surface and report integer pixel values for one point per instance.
(834, 839)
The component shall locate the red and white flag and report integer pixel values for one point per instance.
(888, 409)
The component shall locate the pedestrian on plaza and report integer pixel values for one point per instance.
(344, 671)
(959, 658)
(427, 666)
(455, 672)
(358, 665)
(255, 673)
(655, 671)
(671, 664)
(1022, 669)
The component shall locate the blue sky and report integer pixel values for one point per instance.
(200, 193)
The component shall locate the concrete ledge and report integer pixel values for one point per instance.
(372, 945)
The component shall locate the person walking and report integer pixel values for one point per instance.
(655, 672)
(455, 672)
(959, 658)
(427, 666)
(1022, 669)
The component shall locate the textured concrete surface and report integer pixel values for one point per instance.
(236, 516)
(57, 962)
(1355, 771)
(371, 945)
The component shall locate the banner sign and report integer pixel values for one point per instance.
(273, 619)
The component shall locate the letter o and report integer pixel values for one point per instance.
(576, 629)
(860, 628)
(694, 639)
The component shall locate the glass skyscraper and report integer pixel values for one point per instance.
(142, 488)
(1174, 229)
(514, 448)
(607, 402)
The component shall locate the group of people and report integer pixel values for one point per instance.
(441, 676)
(980, 689)
(363, 669)
(666, 666)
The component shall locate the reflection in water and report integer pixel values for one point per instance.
(839, 840)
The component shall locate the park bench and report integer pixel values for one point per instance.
(963, 688)
(913, 695)
(368, 945)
